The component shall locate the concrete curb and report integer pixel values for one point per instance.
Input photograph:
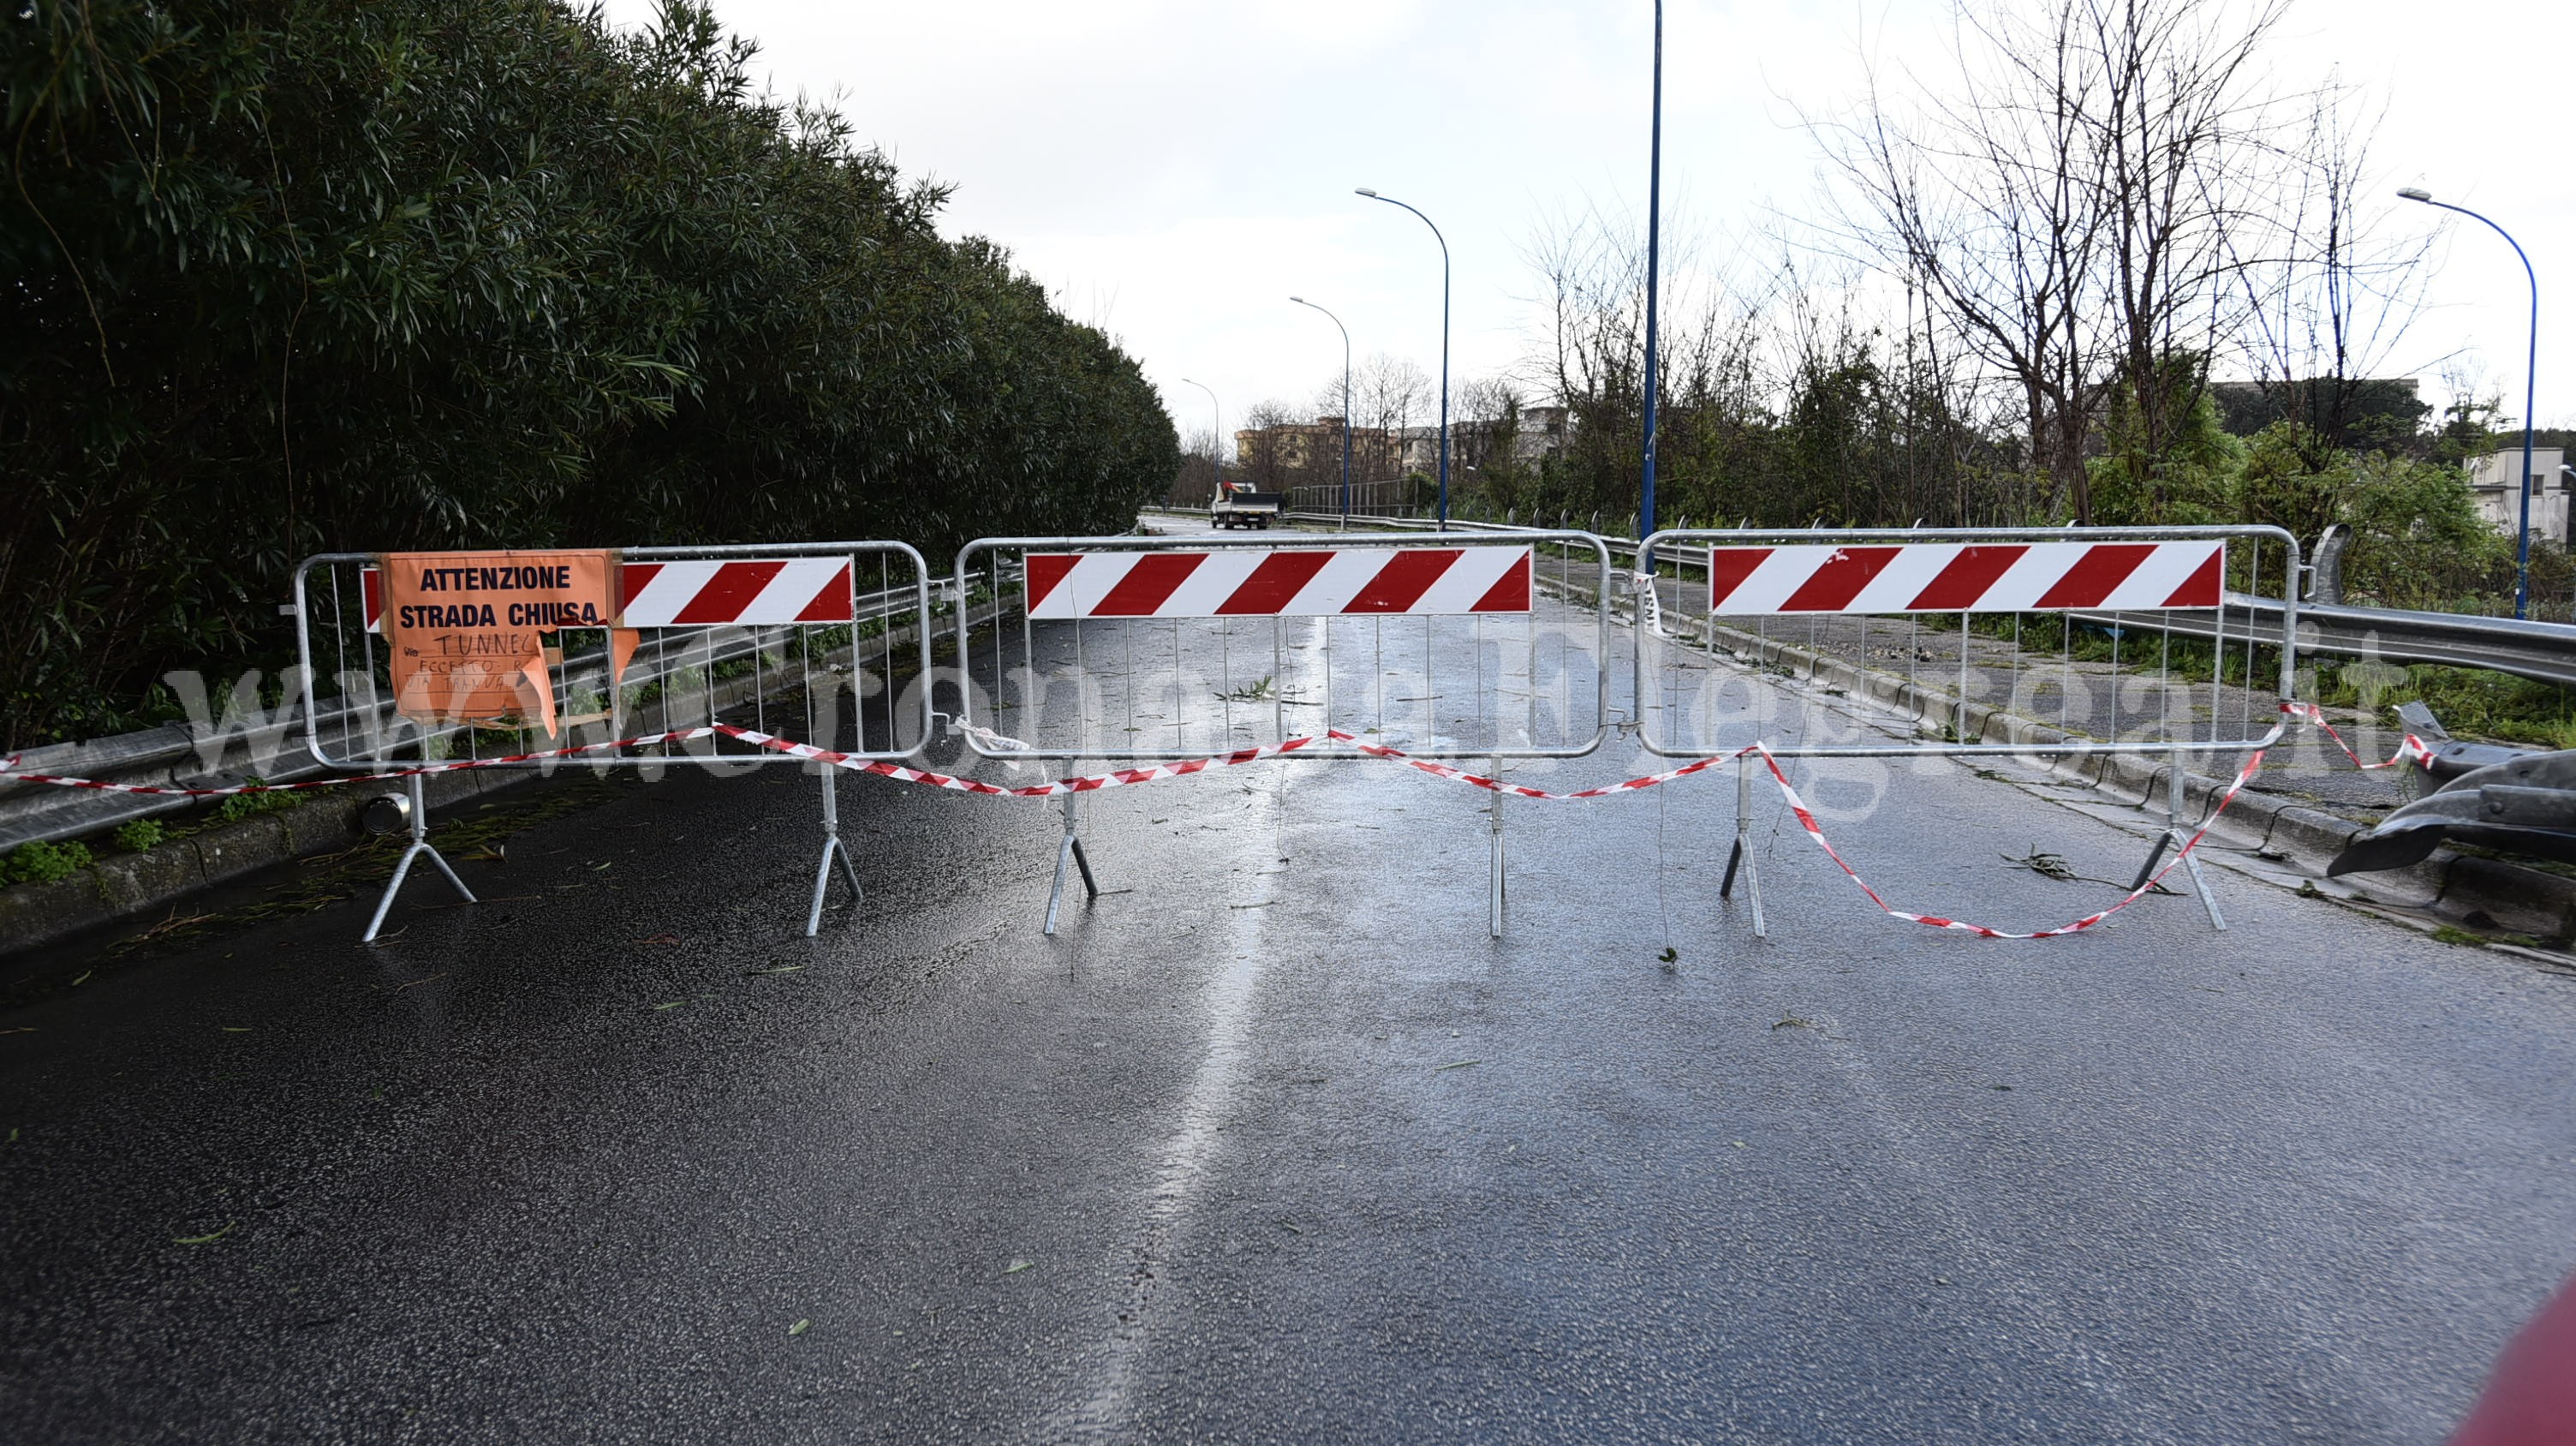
(122, 887)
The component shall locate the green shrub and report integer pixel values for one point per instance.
(247, 805)
(506, 274)
(42, 863)
(140, 835)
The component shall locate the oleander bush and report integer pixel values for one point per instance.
(287, 276)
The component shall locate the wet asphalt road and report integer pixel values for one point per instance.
(1279, 1146)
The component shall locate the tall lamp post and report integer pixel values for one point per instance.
(2530, 370)
(1654, 210)
(1346, 409)
(1217, 412)
(1444, 347)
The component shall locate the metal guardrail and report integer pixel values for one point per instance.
(269, 743)
(2542, 652)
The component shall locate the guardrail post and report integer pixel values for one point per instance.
(1742, 854)
(418, 812)
(832, 848)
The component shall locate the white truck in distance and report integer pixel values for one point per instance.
(1237, 505)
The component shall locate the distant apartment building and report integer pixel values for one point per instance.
(1272, 456)
(1297, 452)
(1538, 433)
(2492, 478)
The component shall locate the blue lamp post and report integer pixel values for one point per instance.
(2530, 373)
(1444, 347)
(1346, 409)
(1654, 216)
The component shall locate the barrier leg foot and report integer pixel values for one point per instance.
(1742, 854)
(1753, 895)
(393, 886)
(420, 846)
(833, 848)
(1055, 896)
(440, 859)
(2200, 886)
(849, 871)
(1069, 852)
(1082, 861)
(2155, 856)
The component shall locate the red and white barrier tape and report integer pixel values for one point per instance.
(2412, 747)
(1807, 821)
(1057, 789)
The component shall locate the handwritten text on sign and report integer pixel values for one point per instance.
(467, 629)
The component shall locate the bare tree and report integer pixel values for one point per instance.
(1391, 394)
(2330, 302)
(1265, 462)
(2078, 197)
(1196, 480)
(1590, 355)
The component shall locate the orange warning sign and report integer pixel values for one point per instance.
(468, 629)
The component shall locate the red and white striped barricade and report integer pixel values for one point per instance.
(1492, 645)
(809, 640)
(1994, 641)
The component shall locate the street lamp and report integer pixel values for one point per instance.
(2530, 369)
(1346, 409)
(1444, 347)
(1217, 444)
(1654, 210)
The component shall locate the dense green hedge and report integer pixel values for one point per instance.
(294, 275)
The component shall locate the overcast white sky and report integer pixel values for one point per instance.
(1175, 171)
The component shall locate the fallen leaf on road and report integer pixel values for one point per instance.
(1015, 1267)
(234, 1028)
(674, 1004)
(206, 1239)
(781, 969)
(798, 1329)
(1793, 1022)
(1458, 1064)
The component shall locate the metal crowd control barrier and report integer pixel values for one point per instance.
(1871, 593)
(1160, 649)
(775, 627)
